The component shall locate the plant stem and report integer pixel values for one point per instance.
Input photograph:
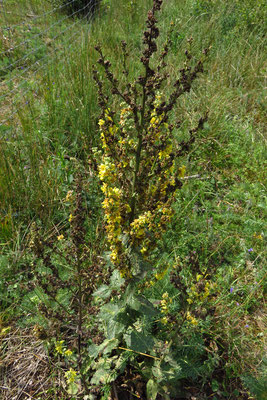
(79, 313)
(139, 149)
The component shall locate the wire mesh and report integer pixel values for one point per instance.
(37, 17)
(42, 33)
(34, 50)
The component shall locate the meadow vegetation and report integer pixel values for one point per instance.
(133, 201)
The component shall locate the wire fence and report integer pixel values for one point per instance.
(32, 17)
(14, 74)
(36, 36)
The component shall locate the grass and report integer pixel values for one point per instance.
(219, 228)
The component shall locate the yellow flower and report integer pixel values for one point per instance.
(125, 273)
(191, 319)
(59, 347)
(114, 255)
(4, 331)
(71, 375)
(60, 237)
(103, 171)
(70, 217)
(257, 236)
(165, 303)
(181, 171)
(101, 122)
(143, 250)
(166, 152)
(153, 120)
(164, 320)
(68, 353)
(69, 195)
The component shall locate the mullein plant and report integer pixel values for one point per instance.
(139, 161)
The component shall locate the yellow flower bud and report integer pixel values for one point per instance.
(181, 171)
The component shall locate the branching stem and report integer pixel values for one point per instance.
(138, 151)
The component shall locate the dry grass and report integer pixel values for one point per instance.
(25, 368)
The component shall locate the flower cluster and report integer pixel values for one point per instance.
(69, 196)
(158, 275)
(164, 305)
(71, 375)
(200, 290)
(190, 318)
(112, 207)
(61, 349)
(258, 236)
(139, 162)
(143, 214)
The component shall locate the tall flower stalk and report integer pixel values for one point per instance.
(139, 165)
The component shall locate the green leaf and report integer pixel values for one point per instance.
(73, 388)
(109, 311)
(156, 371)
(110, 345)
(215, 385)
(103, 292)
(101, 376)
(122, 362)
(109, 314)
(63, 297)
(127, 316)
(147, 307)
(130, 299)
(93, 350)
(170, 360)
(138, 303)
(138, 341)
(106, 347)
(116, 281)
(114, 329)
(171, 370)
(151, 389)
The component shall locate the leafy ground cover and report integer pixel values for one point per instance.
(194, 326)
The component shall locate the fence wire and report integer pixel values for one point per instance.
(34, 17)
(36, 36)
(34, 50)
(42, 62)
